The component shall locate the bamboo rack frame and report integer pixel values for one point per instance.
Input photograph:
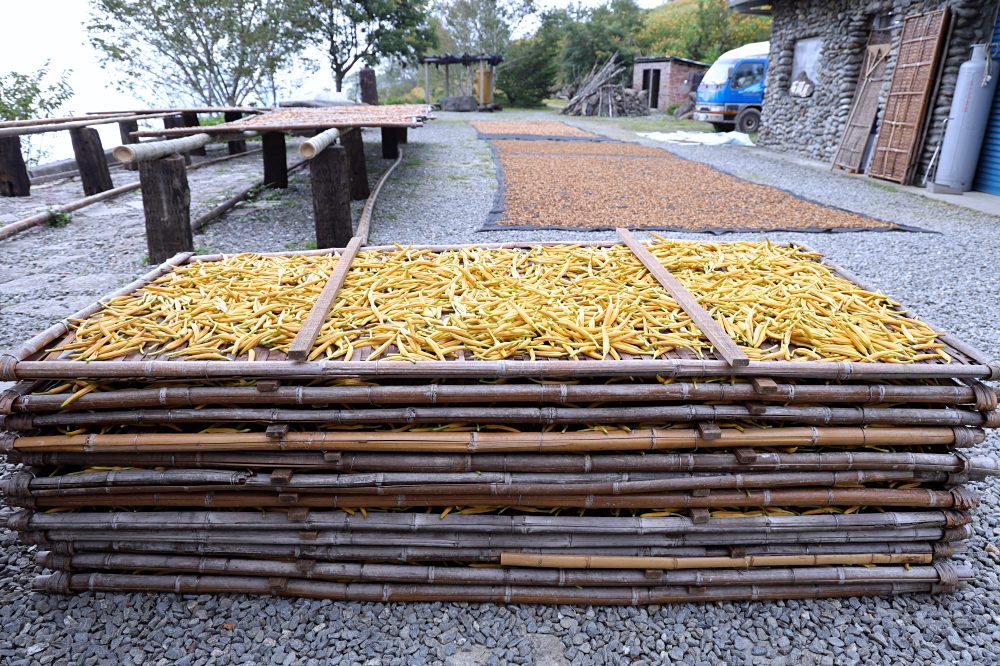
(23, 364)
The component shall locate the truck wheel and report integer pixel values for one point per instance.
(748, 121)
(722, 127)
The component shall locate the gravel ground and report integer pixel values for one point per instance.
(442, 193)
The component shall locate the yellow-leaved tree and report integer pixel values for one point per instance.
(699, 29)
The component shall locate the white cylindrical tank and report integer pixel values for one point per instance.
(970, 112)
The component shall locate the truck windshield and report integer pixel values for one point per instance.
(718, 73)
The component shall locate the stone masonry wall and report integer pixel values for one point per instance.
(813, 126)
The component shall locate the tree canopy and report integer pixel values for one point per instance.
(483, 26)
(32, 95)
(24, 96)
(212, 52)
(364, 31)
(597, 34)
(699, 29)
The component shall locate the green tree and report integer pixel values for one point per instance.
(350, 32)
(528, 72)
(700, 29)
(24, 96)
(596, 34)
(484, 26)
(212, 52)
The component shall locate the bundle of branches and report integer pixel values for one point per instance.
(586, 100)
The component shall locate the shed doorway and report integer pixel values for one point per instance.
(651, 84)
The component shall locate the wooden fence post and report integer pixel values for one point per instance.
(235, 146)
(352, 142)
(390, 143)
(275, 160)
(369, 88)
(14, 181)
(174, 121)
(190, 119)
(125, 129)
(91, 160)
(166, 201)
(331, 197)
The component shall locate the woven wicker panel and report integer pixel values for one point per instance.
(864, 110)
(906, 106)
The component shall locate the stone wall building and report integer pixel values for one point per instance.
(667, 80)
(825, 41)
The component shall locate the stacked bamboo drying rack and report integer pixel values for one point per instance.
(514, 423)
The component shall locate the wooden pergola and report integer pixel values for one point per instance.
(468, 62)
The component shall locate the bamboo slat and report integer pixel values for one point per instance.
(306, 337)
(723, 344)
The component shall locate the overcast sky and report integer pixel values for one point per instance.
(54, 30)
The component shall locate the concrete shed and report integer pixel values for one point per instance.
(668, 79)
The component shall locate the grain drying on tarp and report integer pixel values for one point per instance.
(529, 128)
(601, 185)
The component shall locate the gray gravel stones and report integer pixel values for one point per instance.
(442, 193)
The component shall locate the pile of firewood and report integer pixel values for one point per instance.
(600, 95)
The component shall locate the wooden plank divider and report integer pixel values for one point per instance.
(724, 345)
(306, 337)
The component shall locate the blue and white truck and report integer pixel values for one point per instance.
(732, 92)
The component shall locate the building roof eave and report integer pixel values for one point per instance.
(758, 7)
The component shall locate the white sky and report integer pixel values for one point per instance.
(54, 30)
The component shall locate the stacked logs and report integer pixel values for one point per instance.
(647, 486)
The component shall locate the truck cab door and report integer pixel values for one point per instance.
(746, 83)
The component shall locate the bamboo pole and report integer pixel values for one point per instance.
(540, 416)
(663, 501)
(546, 561)
(677, 368)
(334, 123)
(458, 442)
(142, 482)
(459, 483)
(191, 109)
(314, 146)
(305, 588)
(434, 394)
(365, 219)
(975, 468)
(42, 128)
(542, 526)
(228, 204)
(554, 543)
(385, 553)
(39, 219)
(144, 152)
(395, 573)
